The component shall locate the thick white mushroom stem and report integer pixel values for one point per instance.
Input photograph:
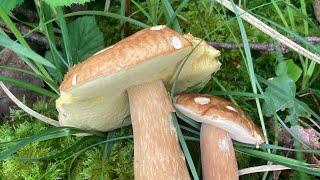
(157, 153)
(217, 154)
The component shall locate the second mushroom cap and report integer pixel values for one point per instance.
(220, 113)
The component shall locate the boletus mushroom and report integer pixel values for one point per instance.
(221, 121)
(96, 94)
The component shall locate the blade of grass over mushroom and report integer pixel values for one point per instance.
(188, 120)
(184, 147)
(250, 70)
(27, 52)
(190, 130)
(292, 163)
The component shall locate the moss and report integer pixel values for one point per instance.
(117, 166)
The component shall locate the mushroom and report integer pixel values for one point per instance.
(221, 121)
(96, 94)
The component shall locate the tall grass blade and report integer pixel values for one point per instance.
(65, 35)
(27, 85)
(251, 71)
(27, 52)
(269, 31)
(169, 12)
(185, 147)
(292, 163)
(49, 134)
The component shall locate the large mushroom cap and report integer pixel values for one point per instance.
(220, 113)
(93, 93)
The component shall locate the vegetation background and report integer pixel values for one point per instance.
(278, 88)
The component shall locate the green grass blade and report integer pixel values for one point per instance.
(50, 134)
(27, 85)
(295, 35)
(108, 14)
(185, 147)
(292, 163)
(250, 68)
(27, 52)
(182, 5)
(238, 93)
(58, 155)
(106, 152)
(279, 12)
(188, 120)
(17, 69)
(144, 12)
(65, 35)
(190, 130)
(39, 69)
(169, 12)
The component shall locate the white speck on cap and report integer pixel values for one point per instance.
(157, 28)
(201, 100)
(74, 80)
(103, 50)
(175, 41)
(231, 108)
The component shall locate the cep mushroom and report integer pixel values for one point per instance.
(221, 121)
(96, 94)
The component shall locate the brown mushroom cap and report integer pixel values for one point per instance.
(220, 113)
(93, 93)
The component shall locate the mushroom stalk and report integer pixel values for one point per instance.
(157, 154)
(217, 154)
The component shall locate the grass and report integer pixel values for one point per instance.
(242, 78)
